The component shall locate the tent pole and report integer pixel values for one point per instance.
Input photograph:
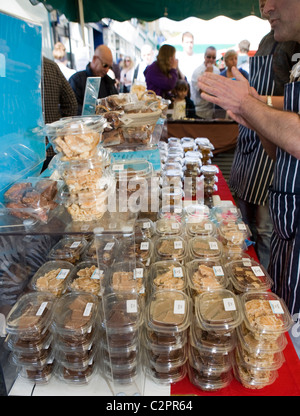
(81, 19)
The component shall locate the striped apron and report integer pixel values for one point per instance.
(252, 169)
(285, 214)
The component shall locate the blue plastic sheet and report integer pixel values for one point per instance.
(22, 148)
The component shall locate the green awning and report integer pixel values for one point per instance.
(148, 10)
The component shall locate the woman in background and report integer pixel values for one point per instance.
(161, 76)
(126, 75)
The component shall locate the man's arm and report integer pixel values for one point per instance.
(281, 128)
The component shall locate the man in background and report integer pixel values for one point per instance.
(188, 60)
(147, 56)
(101, 63)
(243, 57)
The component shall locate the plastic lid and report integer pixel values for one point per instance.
(205, 380)
(168, 311)
(75, 314)
(167, 275)
(247, 274)
(168, 226)
(197, 212)
(259, 345)
(126, 170)
(88, 277)
(205, 247)
(99, 160)
(172, 211)
(233, 232)
(218, 310)
(68, 248)
(105, 248)
(170, 248)
(221, 213)
(52, 276)
(206, 275)
(209, 169)
(122, 313)
(202, 227)
(266, 313)
(75, 125)
(31, 315)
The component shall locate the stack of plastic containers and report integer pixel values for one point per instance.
(167, 319)
(212, 339)
(261, 339)
(81, 162)
(76, 337)
(120, 345)
(29, 336)
(206, 148)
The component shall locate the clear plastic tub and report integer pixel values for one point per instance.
(144, 227)
(172, 212)
(207, 381)
(127, 277)
(168, 226)
(69, 249)
(201, 228)
(131, 176)
(104, 249)
(75, 315)
(76, 360)
(205, 247)
(257, 346)
(197, 212)
(229, 212)
(168, 311)
(211, 342)
(167, 275)
(165, 378)
(251, 377)
(31, 346)
(218, 311)
(53, 277)
(88, 277)
(170, 248)
(233, 233)
(247, 275)
(38, 375)
(208, 361)
(71, 343)
(31, 316)
(160, 342)
(76, 137)
(76, 376)
(165, 362)
(206, 275)
(266, 315)
(36, 360)
(122, 314)
(267, 361)
(141, 249)
(32, 199)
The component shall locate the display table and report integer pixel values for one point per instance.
(288, 381)
(222, 133)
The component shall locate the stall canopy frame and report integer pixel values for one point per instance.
(149, 10)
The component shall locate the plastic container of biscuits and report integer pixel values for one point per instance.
(31, 199)
(258, 345)
(208, 381)
(205, 275)
(205, 247)
(139, 248)
(252, 377)
(127, 276)
(76, 376)
(53, 277)
(168, 274)
(266, 314)
(36, 375)
(69, 248)
(37, 360)
(89, 277)
(201, 228)
(104, 248)
(219, 310)
(76, 360)
(210, 362)
(31, 316)
(168, 311)
(76, 137)
(165, 362)
(75, 315)
(144, 227)
(170, 248)
(267, 360)
(122, 315)
(211, 342)
(30, 346)
(248, 275)
(162, 342)
(168, 226)
(197, 212)
(172, 212)
(174, 375)
(228, 213)
(233, 233)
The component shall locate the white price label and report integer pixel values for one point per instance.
(108, 246)
(138, 273)
(218, 270)
(117, 167)
(177, 272)
(242, 227)
(229, 304)
(146, 224)
(63, 274)
(276, 306)
(41, 308)
(179, 307)
(207, 226)
(131, 306)
(178, 245)
(175, 225)
(144, 245)
(257, 271)
(76, 244)
(88, 308)
(97, 274)
(213, 245)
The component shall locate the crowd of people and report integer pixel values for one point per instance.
(261, 94)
